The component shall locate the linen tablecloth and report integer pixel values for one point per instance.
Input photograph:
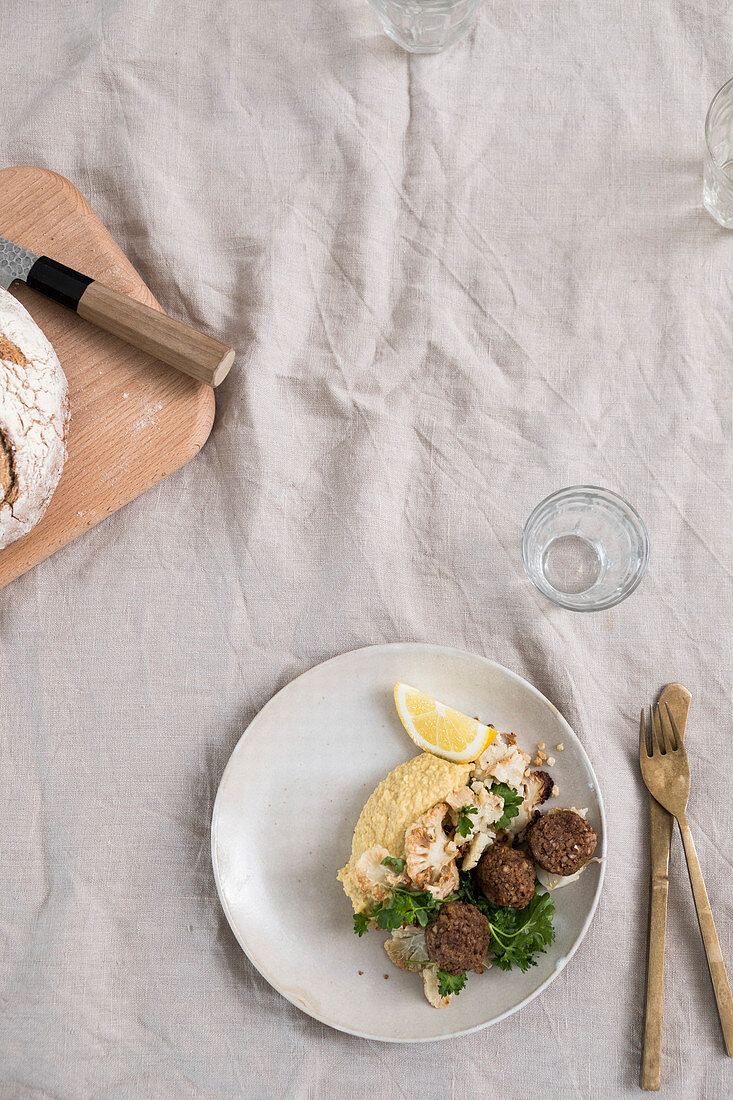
(455, 284)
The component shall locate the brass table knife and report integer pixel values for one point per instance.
(661, 823)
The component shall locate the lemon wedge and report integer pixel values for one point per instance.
(439, 729)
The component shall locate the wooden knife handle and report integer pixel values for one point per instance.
(174, 343)
(161, 336)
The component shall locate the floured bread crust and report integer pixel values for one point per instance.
(34, 416)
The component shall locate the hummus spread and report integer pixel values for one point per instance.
(410, 789)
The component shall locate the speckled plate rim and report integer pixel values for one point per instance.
(232, 763)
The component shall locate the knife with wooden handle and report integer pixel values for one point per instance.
(153, 332)
(661, 824)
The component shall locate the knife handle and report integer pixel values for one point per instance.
(718, 975)
(172, 342)
(660, 831)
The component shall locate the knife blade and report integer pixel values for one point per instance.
(660, 838)
(172, 342)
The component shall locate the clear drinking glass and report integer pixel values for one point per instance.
(426, 26)
(717, 190)
(585, 548)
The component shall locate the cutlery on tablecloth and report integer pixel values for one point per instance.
(153, 332)
(666, 773)
(661, 822)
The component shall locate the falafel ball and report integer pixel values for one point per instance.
(505, 876)
(562, 842)
(457, 938)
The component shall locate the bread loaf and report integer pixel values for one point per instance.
(34, 415)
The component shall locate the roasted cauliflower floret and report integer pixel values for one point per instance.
(373, 876)
(432, 989)
(462, 797)
(490, 806)
(536, 788)
(488, 809)
(407, 949)
(431, 855)
(502, 761)
(479, 843)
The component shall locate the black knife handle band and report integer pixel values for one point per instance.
(56, 281)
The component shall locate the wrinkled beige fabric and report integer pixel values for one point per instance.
(455, 284)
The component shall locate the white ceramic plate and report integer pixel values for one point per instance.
(284, 816)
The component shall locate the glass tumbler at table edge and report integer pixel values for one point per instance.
(585, 548)
(717, 189)
(426, 26)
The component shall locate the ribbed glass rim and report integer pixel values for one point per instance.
(727, 87)
(557, 597)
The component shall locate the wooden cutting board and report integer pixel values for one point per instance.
(133, 420)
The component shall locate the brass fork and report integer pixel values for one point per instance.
(666, 772)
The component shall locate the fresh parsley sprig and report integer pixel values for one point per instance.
(517, 935)
(449, 983)
(465, 824)
(361, 923)
(395, 863)
(404, 907)
(512, 801)
(400, 907)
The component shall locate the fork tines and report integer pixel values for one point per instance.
(665, 736)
